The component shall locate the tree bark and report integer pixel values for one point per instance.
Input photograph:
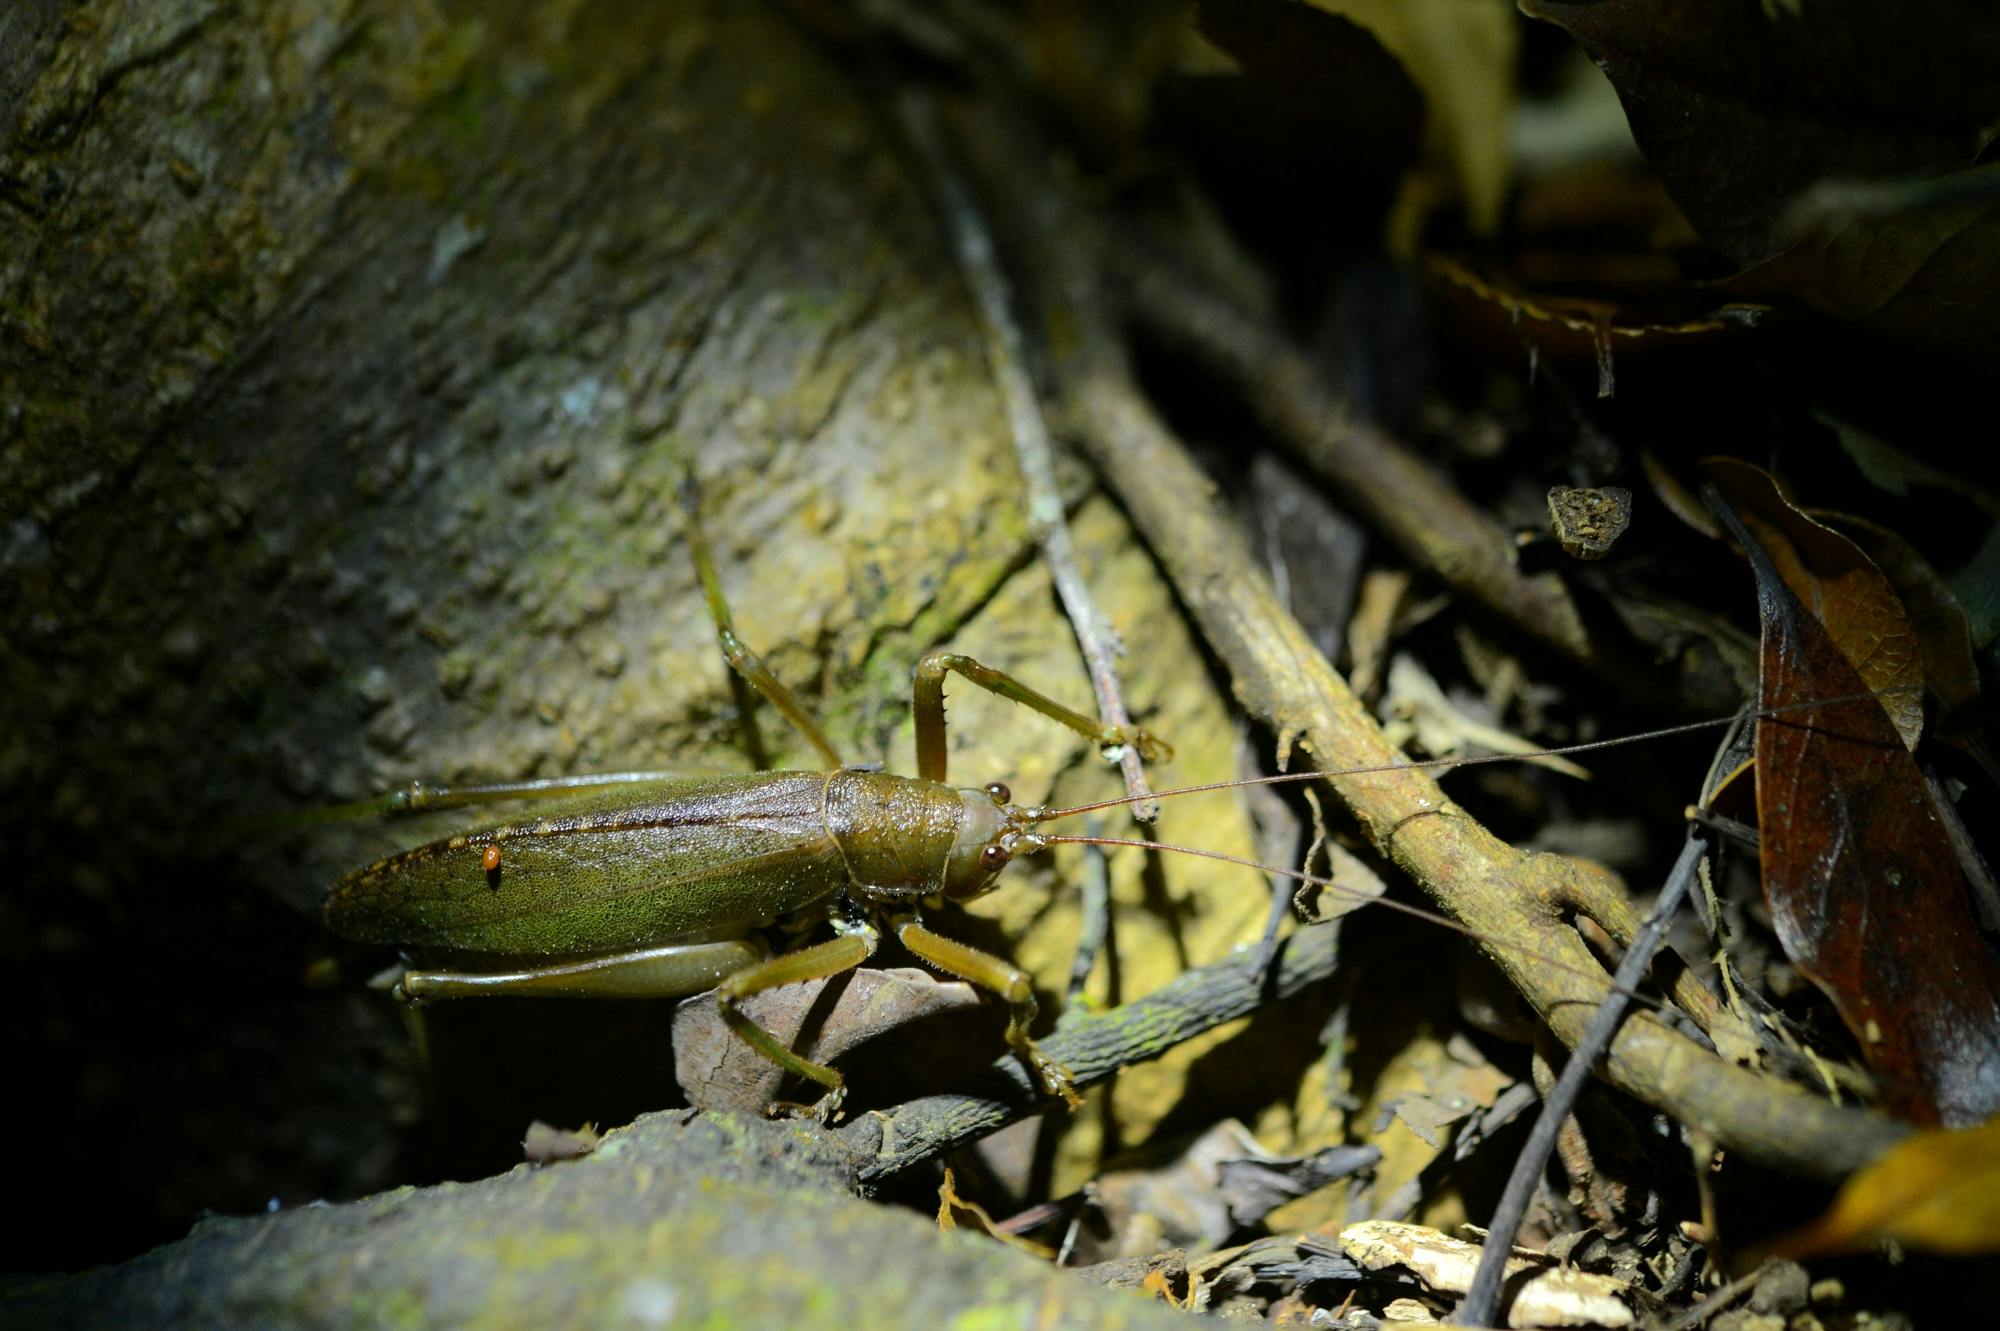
(690, 1222)
(351, 356)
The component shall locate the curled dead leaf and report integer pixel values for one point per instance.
(1837, 581)
(1864, 887)
(1417, 707)
(1552, 1296)
(1573, 330)
(1213, 1186)
(1944, 636)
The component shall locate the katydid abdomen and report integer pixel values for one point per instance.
(701, 858)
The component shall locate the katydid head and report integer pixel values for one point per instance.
(993, 831)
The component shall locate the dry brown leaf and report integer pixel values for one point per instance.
(1216, 1185)
(1943, 634)
(1925, 274)
(1938, 1190)
(1420, 709)
(1571, 329)
(1840, 585)
(1864, 886)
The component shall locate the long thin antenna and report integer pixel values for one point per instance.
(1423, 764)
(1341, 889)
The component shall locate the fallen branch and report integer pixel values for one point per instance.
(1397, 492)
(1093, 1046)
(1516, 903)
(1482, 1300)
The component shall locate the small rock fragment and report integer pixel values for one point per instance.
(1589, 521)
(1783, 1287)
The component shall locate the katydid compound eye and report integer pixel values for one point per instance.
(1000, 793)
(994, 858)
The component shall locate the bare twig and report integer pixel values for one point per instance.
(1094, 931)
(1006, 350)
(1482, 1300)
(1716, 1302)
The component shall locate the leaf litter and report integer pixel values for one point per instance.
(1848, 953)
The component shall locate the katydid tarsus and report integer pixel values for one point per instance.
(644, 884)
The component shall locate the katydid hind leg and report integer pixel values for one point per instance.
(671, 971)
(434, 797)
(417, 1034)
(746, 663)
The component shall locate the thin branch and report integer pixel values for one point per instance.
(1006, 349)
(1092, 1046)
(1717, 1301)
(1387, 483)
(1482, 1299)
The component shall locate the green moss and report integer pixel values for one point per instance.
(441, 80)
(540, 1252)
(1005, 1315)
